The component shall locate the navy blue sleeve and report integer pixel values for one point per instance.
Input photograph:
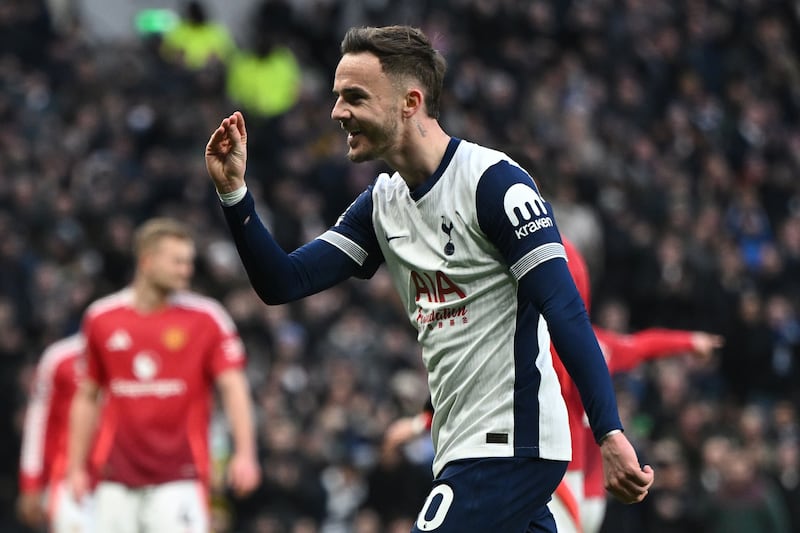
(513, 215)
(278, 277)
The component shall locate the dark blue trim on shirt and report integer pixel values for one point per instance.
(420, 191)
(550, 289)
(527, 381)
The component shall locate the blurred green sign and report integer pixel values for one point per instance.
(150, 21)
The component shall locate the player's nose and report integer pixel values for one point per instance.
(339, 112)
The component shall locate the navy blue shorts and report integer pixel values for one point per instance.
(496, 495)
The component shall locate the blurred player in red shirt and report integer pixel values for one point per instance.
(43, 460)
(579, 502)
(154, 350)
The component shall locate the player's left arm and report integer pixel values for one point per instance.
(244, 473)
(226, 364)
(513, 215)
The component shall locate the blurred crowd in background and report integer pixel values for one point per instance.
(665, 132)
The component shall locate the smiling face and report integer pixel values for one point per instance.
(368, 106)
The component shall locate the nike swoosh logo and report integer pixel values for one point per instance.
(393, 237)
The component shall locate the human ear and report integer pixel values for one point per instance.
(413, 102)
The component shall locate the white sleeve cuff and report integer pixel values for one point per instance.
(612, 432)
(232, 198)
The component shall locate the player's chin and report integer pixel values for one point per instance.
(360, 156)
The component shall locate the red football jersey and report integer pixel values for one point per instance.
(156, 372)
(44, 436)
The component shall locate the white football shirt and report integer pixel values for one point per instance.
(456, 248)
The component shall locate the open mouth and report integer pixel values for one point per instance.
(352, 135)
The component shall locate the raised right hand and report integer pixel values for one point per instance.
(226, 154)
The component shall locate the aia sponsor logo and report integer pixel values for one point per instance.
(438, 288)
(435, 287)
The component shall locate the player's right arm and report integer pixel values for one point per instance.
(349, 249)
(82, 418)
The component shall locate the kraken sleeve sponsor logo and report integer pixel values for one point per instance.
(533, 226)
(525, 210)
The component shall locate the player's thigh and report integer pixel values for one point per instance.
(176, 507)
(68, 515)
(116, 508)
(492, 494)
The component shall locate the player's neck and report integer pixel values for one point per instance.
(422, 152)
(147, 297)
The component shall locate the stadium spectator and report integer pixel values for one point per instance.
(264, 78)
(195, 42)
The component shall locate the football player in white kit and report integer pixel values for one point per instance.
(474, 252)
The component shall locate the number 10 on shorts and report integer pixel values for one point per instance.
(445, 496)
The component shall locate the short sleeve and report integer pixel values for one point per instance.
(228, 351)
(354, 234)
(516, 219)
(92, 362)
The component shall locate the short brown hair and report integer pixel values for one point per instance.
(155, 229)
(402, 51)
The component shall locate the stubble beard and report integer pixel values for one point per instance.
(380, 139)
